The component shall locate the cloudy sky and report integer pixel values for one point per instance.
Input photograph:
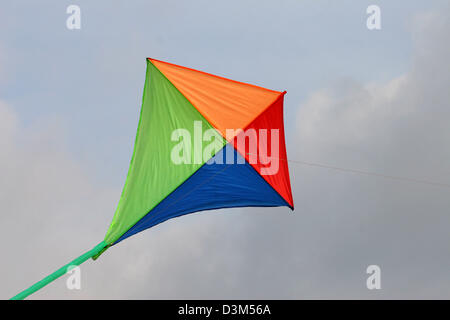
(375, 101)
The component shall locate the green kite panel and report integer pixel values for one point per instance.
(152, 175)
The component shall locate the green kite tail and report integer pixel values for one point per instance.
(93, 253)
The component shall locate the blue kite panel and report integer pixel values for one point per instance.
(217, 184)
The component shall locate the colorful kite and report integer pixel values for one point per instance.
(203, 142)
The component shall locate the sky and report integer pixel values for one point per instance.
(369, 100)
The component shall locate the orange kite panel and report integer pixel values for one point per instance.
(225, 103)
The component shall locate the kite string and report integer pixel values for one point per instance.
(357, 171)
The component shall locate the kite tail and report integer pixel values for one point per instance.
(61, 271)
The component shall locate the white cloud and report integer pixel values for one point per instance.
(9, 125)
(398, 128)
(50, 207)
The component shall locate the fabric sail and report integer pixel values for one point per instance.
(217, 171)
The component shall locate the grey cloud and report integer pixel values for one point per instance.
(343, 222)
(53, 209)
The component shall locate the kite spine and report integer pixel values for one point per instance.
(61, 271)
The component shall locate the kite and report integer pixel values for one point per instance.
(203, 142)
